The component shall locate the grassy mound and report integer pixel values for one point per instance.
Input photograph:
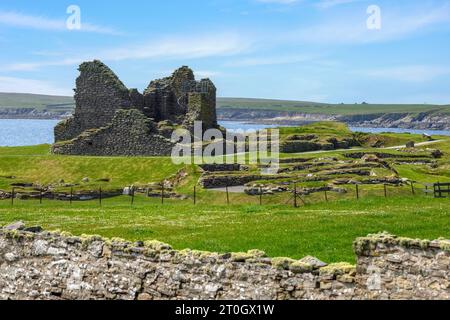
(36, 165)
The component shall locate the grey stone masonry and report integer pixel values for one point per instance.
(41, 265)
(99, 127)
(130, 133)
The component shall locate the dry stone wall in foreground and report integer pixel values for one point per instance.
(36, 264)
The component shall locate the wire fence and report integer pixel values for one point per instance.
(294, 195)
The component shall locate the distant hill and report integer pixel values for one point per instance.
(64, 104)
(411, 116)
(36, 101)
(325, 108)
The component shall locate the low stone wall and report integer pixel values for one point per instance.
(53, 265)
(210, 181)
(402, 268)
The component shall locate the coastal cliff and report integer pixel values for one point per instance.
(420, 121)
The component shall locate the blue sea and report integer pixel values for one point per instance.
(31, 132)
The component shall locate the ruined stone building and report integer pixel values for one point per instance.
(112, 120)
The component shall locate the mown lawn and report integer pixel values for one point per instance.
(325, 230)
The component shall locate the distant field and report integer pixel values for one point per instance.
(60, 103)
(39, 102)
(324, 108)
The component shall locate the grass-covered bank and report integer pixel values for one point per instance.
(325, 230)
(319, 228)
(36, 165)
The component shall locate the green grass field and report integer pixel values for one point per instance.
(319, 228)
(37, 165)
(326, 108)
(325, 230)
(39, 102)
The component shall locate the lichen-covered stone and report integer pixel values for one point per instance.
(111, 120)
(57, 265)
(98, 95)
(130, 133)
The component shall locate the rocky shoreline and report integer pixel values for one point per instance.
(421, 121)
(33, 114)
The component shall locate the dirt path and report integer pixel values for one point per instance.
(421, 144)
(236, 189)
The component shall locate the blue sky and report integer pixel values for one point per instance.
(307, 50)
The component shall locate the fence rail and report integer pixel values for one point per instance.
(295, 196)
(440, 189)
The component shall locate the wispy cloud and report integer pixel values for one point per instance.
(413, 73)
(326, 4)
(278, 1)
(198, 46)
(20, 20)
(33, 66)
(209, 45)
(206, 74)
(395, 25)
(19, 85)
(264, 61)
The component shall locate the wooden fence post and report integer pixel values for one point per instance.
(228, 195)
(295, 196)
(195, 195)
(357, 192)
(326, 196)
(71, 195)
(132, 195)
(12, 196)
(385, 191)
(413, 191)
(260, 195)
(40, 196)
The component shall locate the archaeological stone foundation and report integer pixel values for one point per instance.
(36, 264)
(112, 120)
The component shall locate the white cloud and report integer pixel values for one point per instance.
(325, 4)
(414, 73)
(353, 29)
(33, 66)
(206, 74)
(214, 45)
(265, 61)
(20, 85)
(15, 19)
(198, 46)
(278, 1)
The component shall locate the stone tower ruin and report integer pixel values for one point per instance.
(110, 119)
